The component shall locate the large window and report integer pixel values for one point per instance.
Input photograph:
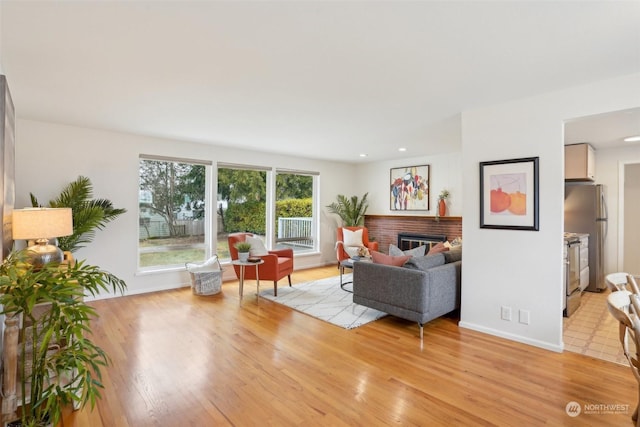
(242, 201)
(172, 212)
(280, 210)
(294, 219)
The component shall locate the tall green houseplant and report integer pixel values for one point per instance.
(48, 335)
(89, 214)
(350, 210)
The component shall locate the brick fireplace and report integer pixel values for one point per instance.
(385, 228)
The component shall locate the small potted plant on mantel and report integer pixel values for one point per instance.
(50, 360)
(243, 250)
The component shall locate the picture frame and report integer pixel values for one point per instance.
(509, 194)
(409, 188)
(7, 161)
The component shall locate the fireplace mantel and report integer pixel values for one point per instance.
(385, 228)
(421, 217)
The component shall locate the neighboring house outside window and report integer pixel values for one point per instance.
(173, 214)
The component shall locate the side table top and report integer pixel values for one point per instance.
(238, 262)
(350, 261)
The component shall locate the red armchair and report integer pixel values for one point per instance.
(277, 264)
(340, 251)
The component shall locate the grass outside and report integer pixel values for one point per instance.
(178, 250)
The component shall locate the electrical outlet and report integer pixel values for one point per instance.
(524, 316)
(505, 313)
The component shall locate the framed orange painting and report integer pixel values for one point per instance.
(509, 194)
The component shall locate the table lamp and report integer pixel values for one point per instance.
(42, 224)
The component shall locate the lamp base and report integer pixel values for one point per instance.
(41, 254)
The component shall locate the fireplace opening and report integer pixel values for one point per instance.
(409, 241)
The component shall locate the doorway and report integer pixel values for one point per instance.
(592, 330)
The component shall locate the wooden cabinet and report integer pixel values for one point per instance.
(579, 162)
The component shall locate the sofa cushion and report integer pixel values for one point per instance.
(396, 251)
(453, 255)
(425, 262)
(380, 258)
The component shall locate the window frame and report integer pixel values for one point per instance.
(208, 204)
(270, 202)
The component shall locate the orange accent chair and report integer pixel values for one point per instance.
(277, 264)
(341, 253)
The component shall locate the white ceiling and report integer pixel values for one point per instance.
(607, 130)
(325, 80)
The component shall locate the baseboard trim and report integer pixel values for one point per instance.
(558, 348)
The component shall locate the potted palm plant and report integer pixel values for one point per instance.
(89, 214)
(350, 210)
(48, 336)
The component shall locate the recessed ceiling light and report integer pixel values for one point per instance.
(363, 155)
(402, 149)
(632, 138)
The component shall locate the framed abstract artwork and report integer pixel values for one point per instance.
(509, 194)
(409, 188)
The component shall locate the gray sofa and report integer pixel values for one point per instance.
(423, 289)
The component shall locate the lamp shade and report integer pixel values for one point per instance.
(42, 223)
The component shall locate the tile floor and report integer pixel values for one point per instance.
(592, 331)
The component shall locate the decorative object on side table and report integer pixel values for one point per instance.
(48, 353)
(243, 250)
(40, 225)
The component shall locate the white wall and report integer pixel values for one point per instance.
(49, 156)
(445, 172)
(523, 269)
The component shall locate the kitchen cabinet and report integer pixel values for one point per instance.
(579, 162)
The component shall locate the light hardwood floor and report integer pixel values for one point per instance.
(184, 360)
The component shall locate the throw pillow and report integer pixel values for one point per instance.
(396, 251)
(425, 262)
(257, 247)
(352, 238)
(380, 258)
(439, 247)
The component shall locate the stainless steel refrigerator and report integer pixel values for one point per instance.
(585, 211)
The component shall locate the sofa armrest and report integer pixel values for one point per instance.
(270, 262)
(444, 288)
(286, 253)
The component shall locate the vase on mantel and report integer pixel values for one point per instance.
(442, 207)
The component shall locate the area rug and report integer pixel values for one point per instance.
(325, 300)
